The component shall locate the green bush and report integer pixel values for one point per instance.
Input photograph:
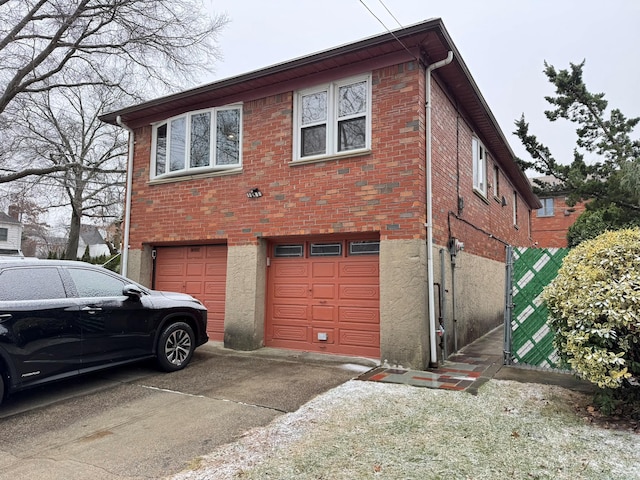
(594, 309)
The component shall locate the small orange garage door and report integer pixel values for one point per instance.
(324, 297)
(200, 271)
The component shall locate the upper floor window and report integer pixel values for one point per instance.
(515, 208)
(479, 166)
(547, 207)
(496, 181)
(198, 141)
(332, 119)
(4, 234)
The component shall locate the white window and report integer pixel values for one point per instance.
(496, 182)
(515, 208)
(547, 207)
(479, 167)
(198, 141)
(4, 234)
(333, 119)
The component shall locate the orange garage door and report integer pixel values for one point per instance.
(200, 271)
(324, 297)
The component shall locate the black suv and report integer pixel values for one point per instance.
(63, 318)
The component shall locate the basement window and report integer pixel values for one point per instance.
(368, 247)
(326, 249)
(288, 251)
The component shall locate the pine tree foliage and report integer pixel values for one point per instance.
(605, 169)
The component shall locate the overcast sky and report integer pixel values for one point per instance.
(503, 42)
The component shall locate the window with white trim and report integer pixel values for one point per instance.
(515, 208)
(547, 207)
(4, 234)
(496, 181)
(333, 119)
(479, 166)
(197, 142)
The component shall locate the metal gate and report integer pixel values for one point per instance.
(528, 338)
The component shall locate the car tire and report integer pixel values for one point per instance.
(175, 346)
(1, 387)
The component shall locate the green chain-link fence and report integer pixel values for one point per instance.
(531, 337)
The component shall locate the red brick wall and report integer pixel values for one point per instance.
(483, 224)
(550, 232)
(383, 191)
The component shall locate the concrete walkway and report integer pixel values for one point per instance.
(472, 366)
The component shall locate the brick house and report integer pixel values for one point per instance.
(311, 204)
(550, 223)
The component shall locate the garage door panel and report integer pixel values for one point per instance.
(323, 313)
(290, 332)
(291, 270)
(361, 270)
(195, 289)
(291, 291)
(324, 291)
(358, 338)
(363, 315)
(323, 333)
(195, 252)
(359, 292)
(324, 269)
(291, 312)
(168, 270)
(195, 270)
(215, 287)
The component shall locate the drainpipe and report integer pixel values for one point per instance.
(432, 316)
(127, 208)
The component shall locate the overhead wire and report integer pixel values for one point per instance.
(387, 28)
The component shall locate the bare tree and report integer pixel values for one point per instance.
(62, 128)
(46, 45)
(65, 62)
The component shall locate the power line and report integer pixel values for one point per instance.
(392, 15)
(387, 28)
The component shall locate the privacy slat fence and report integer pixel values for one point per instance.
(530, 336)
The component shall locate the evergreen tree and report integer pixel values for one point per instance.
(609, 178)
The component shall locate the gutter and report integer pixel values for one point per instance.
(127, 208)
(433, 362)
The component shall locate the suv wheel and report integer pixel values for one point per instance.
(175, 347)
(1, 387)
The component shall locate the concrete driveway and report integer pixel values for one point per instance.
(138, 423)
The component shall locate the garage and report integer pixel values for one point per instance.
(324, 296)
(200, 271)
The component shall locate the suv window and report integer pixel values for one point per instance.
(90, 283)
(31, 284)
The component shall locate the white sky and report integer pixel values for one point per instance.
(503, 42)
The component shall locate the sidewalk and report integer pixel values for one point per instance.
(472, 366)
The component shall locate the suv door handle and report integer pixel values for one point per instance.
(5, 316)
(90, 309)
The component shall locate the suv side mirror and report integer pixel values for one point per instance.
(132, 291)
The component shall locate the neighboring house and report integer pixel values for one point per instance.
(91, 237)
(295, 200)
(10, 235)
(550, 223)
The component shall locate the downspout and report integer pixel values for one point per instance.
(127, 208)
(433, 363)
